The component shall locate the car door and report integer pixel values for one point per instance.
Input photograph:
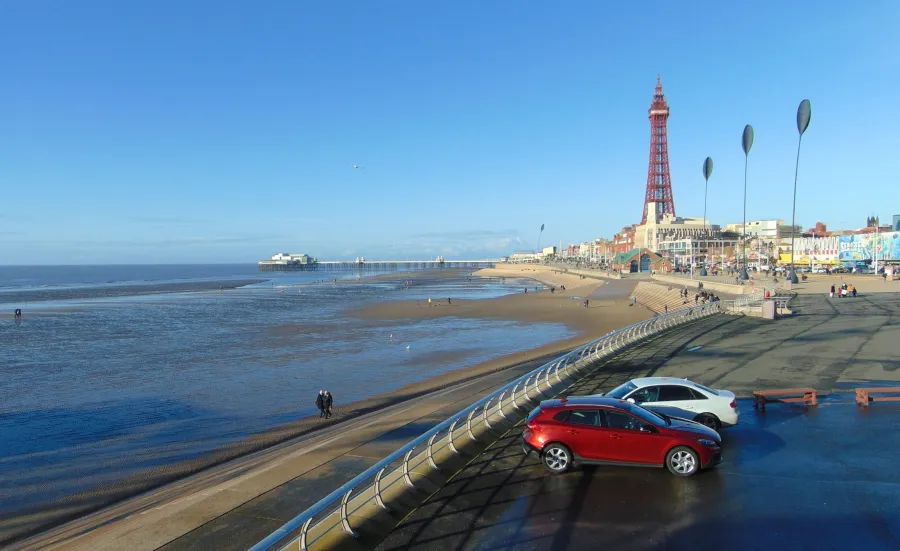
(581, 429)
(674, 401)
(630, 441)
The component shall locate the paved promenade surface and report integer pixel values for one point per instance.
(818, 478)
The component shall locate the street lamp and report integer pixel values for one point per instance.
(803, 115)
(746, 144)
(707, 172)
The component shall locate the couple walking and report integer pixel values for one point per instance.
(324, 401)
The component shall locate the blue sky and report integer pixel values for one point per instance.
(179, 130)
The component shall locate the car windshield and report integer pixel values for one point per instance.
(621, 391)
(711, 391)
(649, 416)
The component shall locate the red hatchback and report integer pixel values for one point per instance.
(608, 431)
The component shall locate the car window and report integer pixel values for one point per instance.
(622, 421)
(621, 391)
(646, 394)
(697, 394)
(673, 393)
(589, 417)
(562, 416)
(711, 391)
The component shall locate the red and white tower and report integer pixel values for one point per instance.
(659, 185)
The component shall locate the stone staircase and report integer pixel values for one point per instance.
(656, 297)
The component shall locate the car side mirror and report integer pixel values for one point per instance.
(647, 428)
(631, 400)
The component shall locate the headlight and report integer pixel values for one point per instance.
(706, 442)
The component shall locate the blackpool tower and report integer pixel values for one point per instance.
(659, 185)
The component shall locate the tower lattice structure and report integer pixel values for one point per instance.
(659, 184)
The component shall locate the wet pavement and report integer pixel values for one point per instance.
(794, 477)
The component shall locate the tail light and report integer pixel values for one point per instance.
(733, 404)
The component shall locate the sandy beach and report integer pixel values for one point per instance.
(608, 310)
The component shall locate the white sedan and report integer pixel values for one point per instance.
(681, 398)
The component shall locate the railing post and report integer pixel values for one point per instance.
(377, 488)
(537, 383)
(409, 481)
(515, 402)
(500, 404)
(345, 521)
(469, 425)
(484, 413)
(303, 531)
(430, 452)
(450, 437)
(556, 372)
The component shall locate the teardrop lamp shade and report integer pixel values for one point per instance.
(747, 139)
(803, 114)
(707, 168)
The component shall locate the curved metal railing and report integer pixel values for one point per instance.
(334, 510)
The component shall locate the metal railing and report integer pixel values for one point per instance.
(333, 512)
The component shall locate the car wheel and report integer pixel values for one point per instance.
(709, 420)
(682, 461)
(556, 458)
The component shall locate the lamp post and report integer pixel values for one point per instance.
(746, 144)
(707, 172)
(803, 114)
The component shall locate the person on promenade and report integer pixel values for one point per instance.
(320, 403)
(329, 401)
(832, 291)
(665, 308)
(18, 313)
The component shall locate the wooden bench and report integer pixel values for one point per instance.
(787, 395)
(863, 395)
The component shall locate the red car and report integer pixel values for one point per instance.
(608, 431)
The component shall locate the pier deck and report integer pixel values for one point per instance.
(372, 265)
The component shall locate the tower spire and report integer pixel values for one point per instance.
(659, 184)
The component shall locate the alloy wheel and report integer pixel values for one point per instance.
(556, 459)
(683, 462)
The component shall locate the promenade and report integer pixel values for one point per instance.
(817, 478)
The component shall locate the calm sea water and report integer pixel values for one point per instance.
(127, 374)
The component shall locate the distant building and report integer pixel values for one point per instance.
(293, 258)
(640, 260)
(896, 224)
(548, 251)
(771, 229)
(666, 227)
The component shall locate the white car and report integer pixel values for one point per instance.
(681, 398)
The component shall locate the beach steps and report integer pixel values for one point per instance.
(656, 297)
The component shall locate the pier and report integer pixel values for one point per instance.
(361, 265)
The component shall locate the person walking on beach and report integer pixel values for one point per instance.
(429, 302)
(18, 313)
(448, 302)
(320, 403)
(329, 401)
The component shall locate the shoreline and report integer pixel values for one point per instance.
(603, 316)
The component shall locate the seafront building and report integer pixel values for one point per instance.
(693, 241)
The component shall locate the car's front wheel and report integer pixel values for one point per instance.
(556, 458)
(682, 461)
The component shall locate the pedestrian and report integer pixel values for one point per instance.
(448, 302)
(634, 301)
(329, 401)
(18, 313)
(832, 291)
(320, 403)
(665, 308)
(429, 301)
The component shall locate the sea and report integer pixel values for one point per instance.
(114, 370)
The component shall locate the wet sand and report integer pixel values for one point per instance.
(604, 315)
